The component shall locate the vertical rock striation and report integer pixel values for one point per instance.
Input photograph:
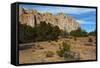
(33, 18)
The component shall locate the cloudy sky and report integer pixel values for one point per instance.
(85, 16)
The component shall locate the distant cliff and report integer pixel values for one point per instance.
(32, 18)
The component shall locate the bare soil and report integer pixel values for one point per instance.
(37, 53)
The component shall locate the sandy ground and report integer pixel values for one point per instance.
(37, 53)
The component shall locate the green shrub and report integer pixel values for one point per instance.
(49, 41)
(92, 33)
(49, 54)
(26, 33)
(41, 32)
(66, 46)
(60, 53)
(79, 33)
(63, 49)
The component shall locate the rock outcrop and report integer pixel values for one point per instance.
(33, 18)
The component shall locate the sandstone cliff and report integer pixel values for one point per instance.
(33, 17)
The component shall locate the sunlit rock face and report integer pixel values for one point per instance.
(33, 18)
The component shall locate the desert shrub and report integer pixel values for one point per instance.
(92, 33)
(26, 33)
(41, 32)
(56, 40)
(47, 31)
(90, 40)
(75, 38)
(64, 34)
(40, 47)
(66, 47)
(65, 52)
(60, 53)
(49, 54)
(49, 41)
(63, 49)
(79, 33)
(33, 50)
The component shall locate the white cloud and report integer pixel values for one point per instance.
(56, 9)
(85, 22)
(75, 10)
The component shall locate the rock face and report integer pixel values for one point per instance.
(33, 18)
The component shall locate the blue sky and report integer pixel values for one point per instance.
(85, 16)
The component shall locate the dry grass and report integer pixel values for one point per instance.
(37, 54)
